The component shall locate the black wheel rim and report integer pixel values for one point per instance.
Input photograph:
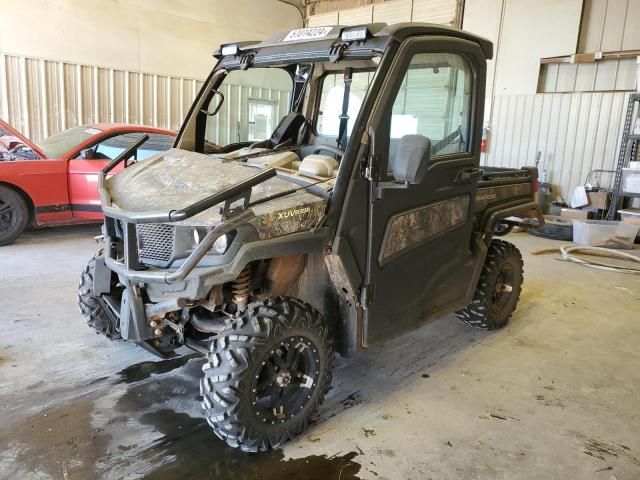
(285, 380)
(7, 216)
(503, 290)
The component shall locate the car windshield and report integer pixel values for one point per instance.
(57, 145)
(114, 146)
(254, 101)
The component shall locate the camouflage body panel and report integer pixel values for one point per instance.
(178, 178)
(286, 219)
(498, 194)
(408, 229)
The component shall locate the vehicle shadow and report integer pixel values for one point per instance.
(187, 445)
(146, 420)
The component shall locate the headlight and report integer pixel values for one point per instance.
(221, 244)
(196, 235)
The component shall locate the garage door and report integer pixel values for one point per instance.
(431, 11)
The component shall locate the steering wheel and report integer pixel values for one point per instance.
(329, 148)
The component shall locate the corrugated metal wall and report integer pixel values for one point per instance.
(41, 97)
(433, 11)
(576, 133)
(607, 26)
(605, 75)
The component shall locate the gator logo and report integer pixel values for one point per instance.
(292, 213)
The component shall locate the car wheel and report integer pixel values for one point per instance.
(266, 376)
(14, 215)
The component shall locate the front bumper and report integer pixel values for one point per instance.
(171, 290)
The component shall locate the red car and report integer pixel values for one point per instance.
(55, 182)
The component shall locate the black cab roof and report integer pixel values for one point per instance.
(313, 43)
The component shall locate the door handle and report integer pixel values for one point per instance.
(468, 175)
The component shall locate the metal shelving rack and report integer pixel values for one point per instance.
(628, 151)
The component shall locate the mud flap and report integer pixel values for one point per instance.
(133, 325)
(101, 277)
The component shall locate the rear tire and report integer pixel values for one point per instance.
(266, 376)
(498, 288)
(14, 215)
(90, 306)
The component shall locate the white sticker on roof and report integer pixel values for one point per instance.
(307, 33)
(92, 131)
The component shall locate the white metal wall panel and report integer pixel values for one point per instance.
(434, 11)
(605, 75)
(576, 133)
(607, 25)
(392, 12)
(330, 18)
(42, 97)
(356, 16)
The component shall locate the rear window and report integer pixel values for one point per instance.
(332, 96)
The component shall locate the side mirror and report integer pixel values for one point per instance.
(412, 159)
(87, 154)
(215, 104)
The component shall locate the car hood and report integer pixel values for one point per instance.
(178, 178)
(15, 146)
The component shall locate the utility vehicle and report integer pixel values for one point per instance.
(268, 246)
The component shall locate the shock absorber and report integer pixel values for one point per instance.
(241, 288)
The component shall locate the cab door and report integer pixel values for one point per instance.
(419, 258)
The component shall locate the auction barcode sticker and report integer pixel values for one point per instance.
(307, 33)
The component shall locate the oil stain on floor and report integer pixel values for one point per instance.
(145, 424)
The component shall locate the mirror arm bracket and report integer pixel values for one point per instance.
(381, 187)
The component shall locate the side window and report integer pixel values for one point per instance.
(111, 147)
(331, 98)
(434, 100)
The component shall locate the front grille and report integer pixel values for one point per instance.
(155, 241)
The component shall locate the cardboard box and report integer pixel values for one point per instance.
(630, 215)
(575, 213)
(599, 200)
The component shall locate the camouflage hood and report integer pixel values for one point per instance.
(179, 178)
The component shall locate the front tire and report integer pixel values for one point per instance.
(14, 215)
(266, 376)
(91, 307)
(498, 288)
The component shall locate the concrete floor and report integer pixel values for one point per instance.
(554, 395)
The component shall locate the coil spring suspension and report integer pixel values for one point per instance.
(241, 288)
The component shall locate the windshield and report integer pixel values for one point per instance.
(254, 101)
(57, 145)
